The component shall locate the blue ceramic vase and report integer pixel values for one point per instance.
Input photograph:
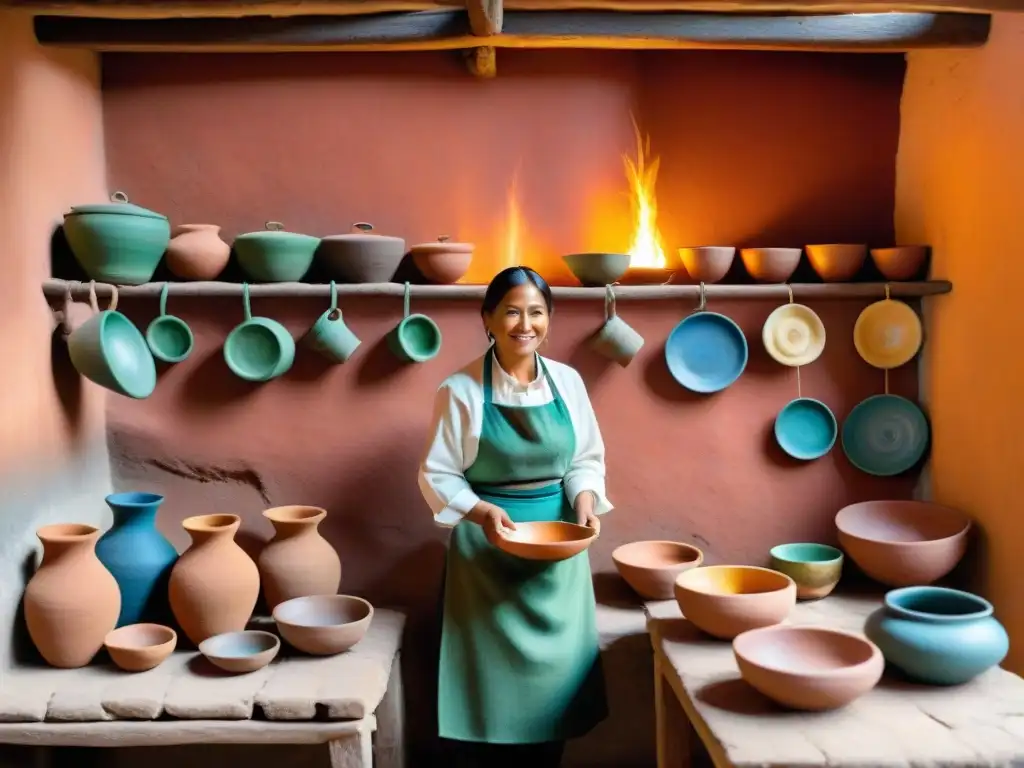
(937, 635)
(138, 556)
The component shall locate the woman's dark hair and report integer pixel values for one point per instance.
(510, 278)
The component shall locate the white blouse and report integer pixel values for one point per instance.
(458, 421)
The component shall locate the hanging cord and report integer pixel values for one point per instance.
(887, 298)
(799, 384)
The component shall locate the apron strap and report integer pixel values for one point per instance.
(488, 375)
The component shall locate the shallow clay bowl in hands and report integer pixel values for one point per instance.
(837, 262)
(651, 567)
(240, 652)
(727, 600)
(771, 265)
(138, 647)
(550, 541)
(903, 543)
(810, 668)
(707, 264)
(323, 624)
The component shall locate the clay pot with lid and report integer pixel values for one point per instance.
(196, 252)
(362, 256)
(298, 561)
(275, 255)
(444, 261)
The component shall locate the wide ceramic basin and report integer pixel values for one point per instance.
(323, 624)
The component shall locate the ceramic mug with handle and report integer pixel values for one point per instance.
(330, 336)
(616, 339)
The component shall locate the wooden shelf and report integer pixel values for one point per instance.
(55, 289)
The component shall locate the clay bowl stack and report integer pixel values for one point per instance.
(651, 567)
(727, 600)
(323, 625)
(903, 543)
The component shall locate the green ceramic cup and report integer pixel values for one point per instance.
(259, 349)
(816, 568)
(330, 336)
(169, 337)
(110, 351)
(417, 338)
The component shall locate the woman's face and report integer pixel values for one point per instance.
(520, 322)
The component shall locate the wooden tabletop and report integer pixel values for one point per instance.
(897, 724)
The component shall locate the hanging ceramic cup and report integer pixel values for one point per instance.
(330, 336)
(258, 349)
(169, 337)
(888, 333)
(417, 338)
(110, 351)
(616, 339)
(706, 352)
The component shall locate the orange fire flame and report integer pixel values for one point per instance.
(513, 225)
(646, 249)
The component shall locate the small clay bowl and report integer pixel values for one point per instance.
(808, 668)
(771, 265)
(651, 567)
(903, 543)
(240, 652)
(596, 269)
(815, 568)
(138, 647)
(837, 262)
(323, 625)
(442, 262)
(903, 262)
(708, 263)
(549, 541)
(727, 600)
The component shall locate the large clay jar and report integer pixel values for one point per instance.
(214, 585)
(298, 561)
(139, 557)
(72, 601)
(937, 635)
(196, 252)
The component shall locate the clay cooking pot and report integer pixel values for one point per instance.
(442, 262)
(362, 256)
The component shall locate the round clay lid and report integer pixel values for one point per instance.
(442, 245)
(362, 232)
(274, 230)
(118, 205)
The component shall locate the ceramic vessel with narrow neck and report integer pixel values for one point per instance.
(214, 585)
(196, 252)
(298, 561)
(72, 601)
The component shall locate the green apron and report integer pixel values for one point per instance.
(520, 661)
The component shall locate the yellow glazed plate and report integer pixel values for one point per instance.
(794, 335)
(887, 334)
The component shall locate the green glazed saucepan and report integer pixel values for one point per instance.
(417, 338)
(169, 337)
(259, 349)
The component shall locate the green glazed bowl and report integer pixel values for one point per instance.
(260, 349)
(416, 339)
(170, 339)
(109, 350)
(117, 242)
(815, 568)
(275, 256)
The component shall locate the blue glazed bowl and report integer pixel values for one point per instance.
(706, 352)
(937, 635)
(806, 429)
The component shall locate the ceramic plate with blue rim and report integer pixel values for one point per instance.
(806, 429)
(706, 352)
(885, 435)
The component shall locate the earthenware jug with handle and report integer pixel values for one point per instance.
(616, 339)
(330, 336)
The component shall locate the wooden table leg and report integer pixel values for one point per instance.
(354, 751)
(674, 732)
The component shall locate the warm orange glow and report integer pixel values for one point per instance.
(645, 249)
(513, 226)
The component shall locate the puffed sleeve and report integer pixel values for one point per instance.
(587, 471)
(441, 478)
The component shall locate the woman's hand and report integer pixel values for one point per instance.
(585, 515)
(492, 518)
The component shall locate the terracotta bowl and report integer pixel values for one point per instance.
(707, 264)
(138, 647)
(815, 568)
(651, 567)
(903, 262)
(810, 668)
(544, 541)
(837, 262)
(241, 652)
(597, 269)
(771, 265)
(726, 600)
(442, 262)
(903, 543)
(324, 624)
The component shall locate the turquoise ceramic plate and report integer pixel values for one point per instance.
(806, 429)
(885, 435)
(706, 352)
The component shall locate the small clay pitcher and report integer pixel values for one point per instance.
(298, 561)
(196, 252)
(72, 601)
(330, 336)
(215, 584)
(616, 339)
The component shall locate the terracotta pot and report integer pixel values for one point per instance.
(298, 561)
(196, 252)
(442, 262)
(707, 264)
(904, 262)
(215, 584)
(727, 600)
(651, 567)
(72, 601)
(771, 265)
(837, 263)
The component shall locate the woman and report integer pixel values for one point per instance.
(515, 440)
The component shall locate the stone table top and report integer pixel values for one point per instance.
(347, 686)
(897, 724)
